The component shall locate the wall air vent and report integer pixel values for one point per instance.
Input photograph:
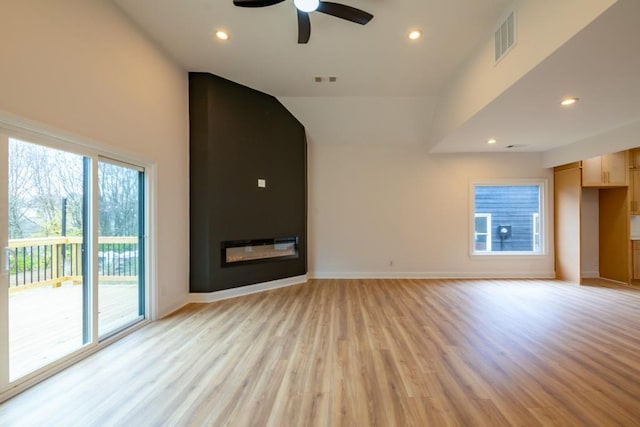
(505, 36)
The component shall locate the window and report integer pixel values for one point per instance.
(507, 218)
(482, 233)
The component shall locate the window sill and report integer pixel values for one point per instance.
(508, 255)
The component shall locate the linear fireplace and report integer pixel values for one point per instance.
(237, 252)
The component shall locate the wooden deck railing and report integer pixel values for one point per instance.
(43, 261)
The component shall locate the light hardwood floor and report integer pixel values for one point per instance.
(365, 353)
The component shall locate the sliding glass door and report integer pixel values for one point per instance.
(46, 228)
(120, 246)
(73, 257)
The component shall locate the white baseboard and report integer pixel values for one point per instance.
(432, 275)
(290, 281)
(590, 274)
(173, 310)
(245, 290)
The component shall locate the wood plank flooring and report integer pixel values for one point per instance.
(365, 353)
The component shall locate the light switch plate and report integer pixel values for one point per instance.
(262, 183)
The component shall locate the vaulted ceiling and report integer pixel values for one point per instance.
(377, 59)
(584, 48)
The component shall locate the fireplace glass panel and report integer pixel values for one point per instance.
(259, 250)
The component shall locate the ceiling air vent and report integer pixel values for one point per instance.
(327, 79)
(505, 37)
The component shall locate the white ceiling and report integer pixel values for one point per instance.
(373, 60)
(600, 64)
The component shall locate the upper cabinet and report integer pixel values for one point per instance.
(610, 170)
(634, 158)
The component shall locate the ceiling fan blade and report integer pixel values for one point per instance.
(345, 12)
(256, 3)
(304, 27)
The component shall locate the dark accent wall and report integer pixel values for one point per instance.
(237, 136)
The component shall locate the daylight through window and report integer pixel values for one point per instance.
(507, 219)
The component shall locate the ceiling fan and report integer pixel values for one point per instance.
(304, 7)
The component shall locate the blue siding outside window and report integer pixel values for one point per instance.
(512, 209)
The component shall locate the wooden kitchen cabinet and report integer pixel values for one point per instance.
(567, 196)
(614, 254)
(610, 170)
(613, 235)
(634, 158)
(635, 244)
(634, 191)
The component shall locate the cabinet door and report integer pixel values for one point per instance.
(634, 191)
(616, 166)
(592, 175)
(634, 158)
(613, 236)
(636, 259)
(568, 201)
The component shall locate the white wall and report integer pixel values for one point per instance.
(81, 67)
(376, 203)
(379, 196)
(361, 120)
(590, 233)
(610, 141)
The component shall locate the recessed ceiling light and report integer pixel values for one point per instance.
(415, 34)
(222, 35)
(492, 141)
(307, 5)
(567, 102)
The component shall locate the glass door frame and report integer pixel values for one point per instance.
(143, 307)
(11, 127)
(4, 260)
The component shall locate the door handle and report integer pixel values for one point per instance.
(6, 253)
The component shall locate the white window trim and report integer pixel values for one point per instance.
(544, 215)
(535, 231)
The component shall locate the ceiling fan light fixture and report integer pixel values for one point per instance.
(304, 7)
(307, 5)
